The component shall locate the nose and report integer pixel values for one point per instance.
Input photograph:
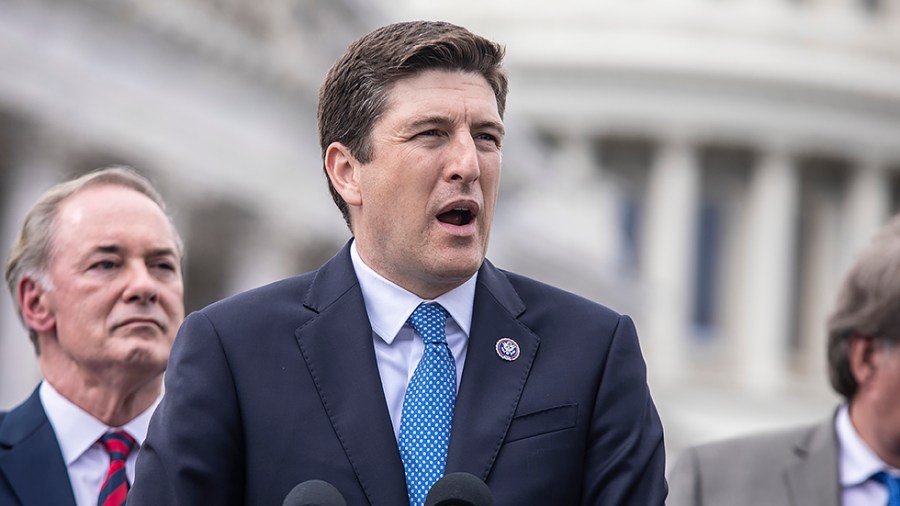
(464, 165)
(141, 286)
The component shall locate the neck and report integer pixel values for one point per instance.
(111, 404)
(424, 286)
(114, 395)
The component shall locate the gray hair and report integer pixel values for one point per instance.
(868, 305)
(31, 251)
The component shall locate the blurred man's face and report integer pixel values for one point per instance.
(884, 394)
(116, 294)
(875, 407)
(428, 194)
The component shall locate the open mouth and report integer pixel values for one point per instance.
(458, 216)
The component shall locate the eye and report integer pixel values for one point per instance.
(488, 137)
(429, 133)
(103, 265)
(165, 265)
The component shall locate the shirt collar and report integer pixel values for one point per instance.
(388, 305)
(858, 462)
(77, 430)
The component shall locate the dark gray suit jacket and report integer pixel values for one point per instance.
(796, 467)
(32, 469)
(280, 385)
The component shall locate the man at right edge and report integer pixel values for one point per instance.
(851, 458)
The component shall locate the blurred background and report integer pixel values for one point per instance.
(708, 166)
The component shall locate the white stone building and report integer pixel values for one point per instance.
(709, 167)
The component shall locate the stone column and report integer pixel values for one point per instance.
(573, 160)
(669, 243)
(768, 274)
(589, 205)
(821, 214)
(576, 196)
(867, 206)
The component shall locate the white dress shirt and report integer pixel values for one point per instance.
(857, 464)
(397, 350)
(77, 432)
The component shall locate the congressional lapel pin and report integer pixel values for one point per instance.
(507, 349)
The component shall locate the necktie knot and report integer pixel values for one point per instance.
(118, 444)
(893, 485)
(428, 320)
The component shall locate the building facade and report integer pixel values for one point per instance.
(713, 167)
(708, 166)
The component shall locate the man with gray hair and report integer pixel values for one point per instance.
(96, 276)
(850, 459)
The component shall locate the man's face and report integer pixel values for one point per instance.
(882, 398)
(116, 294)
(427, 196)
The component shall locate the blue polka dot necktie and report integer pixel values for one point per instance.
(115, 487)
(428, 405)
(893, 485)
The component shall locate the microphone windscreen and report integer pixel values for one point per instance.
(459, 489)
(314, 493)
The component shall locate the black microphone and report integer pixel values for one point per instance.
(459, 489)
(314, 493)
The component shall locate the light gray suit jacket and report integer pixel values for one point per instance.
(795, 467)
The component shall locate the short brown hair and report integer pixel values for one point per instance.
(31, 251)
(868, 305)
(355, 92)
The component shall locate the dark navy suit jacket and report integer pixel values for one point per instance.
(280, 385)
(32, 469)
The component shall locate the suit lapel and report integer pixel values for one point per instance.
(30, 458)
(814, 478)
(338, 349)
(490, 387)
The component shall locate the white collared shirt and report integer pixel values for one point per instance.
(857, 464)
(77, 432)
(397, 351)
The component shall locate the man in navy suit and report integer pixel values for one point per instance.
(307, 378)
(96, 275)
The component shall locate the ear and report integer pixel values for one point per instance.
(33, 301)
(861, 352)
(343, 171)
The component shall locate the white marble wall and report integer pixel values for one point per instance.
(218, 119)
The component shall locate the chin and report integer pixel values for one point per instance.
(461, 269)
(150, 357)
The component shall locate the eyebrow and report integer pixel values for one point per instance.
(492, 125)
(108, 249)
(442, 120)
(114, 248)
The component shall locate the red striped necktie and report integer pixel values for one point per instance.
(115, 486)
